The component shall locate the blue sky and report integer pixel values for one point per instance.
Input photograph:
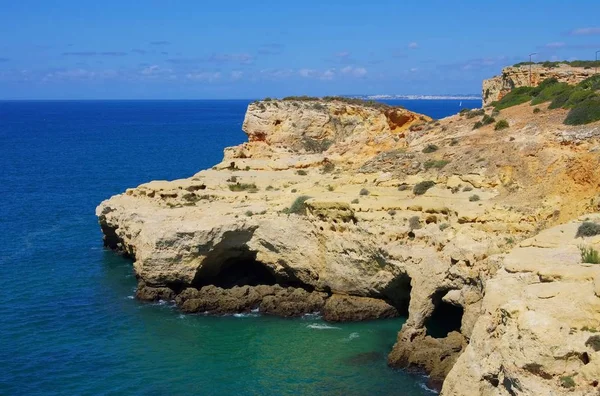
(158, 49)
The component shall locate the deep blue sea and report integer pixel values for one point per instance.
(68, 322)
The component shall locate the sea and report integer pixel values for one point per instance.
(69, 324)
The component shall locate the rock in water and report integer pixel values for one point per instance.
(340, 308)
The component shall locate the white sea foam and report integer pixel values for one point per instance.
(321, 326)
(353, 336)
(255, 310)
(423, 386)
(130, 297)
(245, 315)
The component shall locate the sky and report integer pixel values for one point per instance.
(228, 49)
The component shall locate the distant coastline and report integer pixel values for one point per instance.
(417, 97)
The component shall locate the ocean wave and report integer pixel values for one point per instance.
(321, 326)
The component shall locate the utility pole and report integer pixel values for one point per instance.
(596, 69)
(531, 64)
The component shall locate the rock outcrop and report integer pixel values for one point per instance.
(522, 76)
(364, 212)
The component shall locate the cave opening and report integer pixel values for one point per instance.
(397, 293)
(236, 271)
(445, 318)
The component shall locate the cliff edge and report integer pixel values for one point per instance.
(364, 211)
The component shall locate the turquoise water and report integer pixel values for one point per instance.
(68, 322)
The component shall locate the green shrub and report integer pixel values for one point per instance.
(478, 125)
(301, 172)
(537, 110)
(486, 120)
(577, 96)
(468, 188)
(589, 255)
(422, 187)
(364, 191)
(550, 92)
(592, 83)
(443, 226)
(567, 382)
(249, 213)
(392, 212)
(330, 188)
(502, 124)
(584, 112)
(355, 201)
(475, 113)
(474, 198)
(251, 187)
(298, 206)
(547, 83)
(414, 223)
(593, 342)
(430, 148)
(588, 229)
(438, 164)
(515, 97)
(403, 187)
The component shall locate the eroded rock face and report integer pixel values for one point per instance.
(513, 77)
(296, 220)
(540, 316)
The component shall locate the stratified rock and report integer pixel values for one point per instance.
(340, 308)
(514, 77)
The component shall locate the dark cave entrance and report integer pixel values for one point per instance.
(445, 318)
(244, 270)
(397, 293)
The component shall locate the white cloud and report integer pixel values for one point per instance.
(413, 45)
(354, 71)
(203, 76)
(237, 75)
(585, 31)
(558, 44)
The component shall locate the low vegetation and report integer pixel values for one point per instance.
(364, 191)
(430, 148)
(301, 172)
(250, 187)
(316, 146)
(298, 206)
(567, 382)
(576, 63)
(588, 229)
(486, 120)
(422, 187)
(582, 100)
(500, 125)
(589, 255)
(351, 101)
(437, 164)
(414, 223)
(474, 198)
(328, 167)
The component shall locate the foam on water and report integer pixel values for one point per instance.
(322, 326)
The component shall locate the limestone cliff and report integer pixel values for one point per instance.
(361, 212)
(513, 77)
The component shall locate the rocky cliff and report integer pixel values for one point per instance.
(513, 77)
(363, 211)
